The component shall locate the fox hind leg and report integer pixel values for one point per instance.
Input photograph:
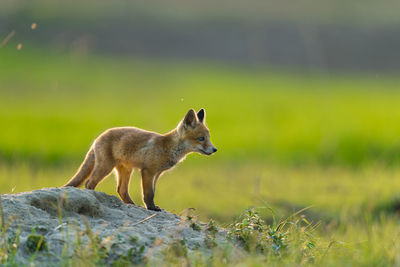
(100, 171)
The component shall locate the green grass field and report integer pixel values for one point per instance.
(286, 140)
(53, 106)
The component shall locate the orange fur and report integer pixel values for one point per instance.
(127, 148)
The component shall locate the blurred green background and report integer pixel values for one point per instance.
(301, 100)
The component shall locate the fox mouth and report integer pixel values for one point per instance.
(205, 153)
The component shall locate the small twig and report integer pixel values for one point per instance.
(186, 211)
(145, 219)
(9, 36)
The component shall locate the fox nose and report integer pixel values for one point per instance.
(214, 149)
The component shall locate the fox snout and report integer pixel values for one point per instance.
(210, 150)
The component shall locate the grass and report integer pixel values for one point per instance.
(64, 103)
(286, 141)
(223, 190)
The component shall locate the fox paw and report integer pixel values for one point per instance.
(155, 208)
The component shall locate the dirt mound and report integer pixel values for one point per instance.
(54, 224)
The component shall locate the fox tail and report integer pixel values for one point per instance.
(84, 170)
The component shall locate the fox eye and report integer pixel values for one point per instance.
(201, 138)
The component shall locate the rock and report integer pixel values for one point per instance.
(71, 218)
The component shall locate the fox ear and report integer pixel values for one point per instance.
(201, 115)
(190, 119)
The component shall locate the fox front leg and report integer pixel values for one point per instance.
(148, 178)
(123, 177)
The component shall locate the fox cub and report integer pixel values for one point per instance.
(126, 148)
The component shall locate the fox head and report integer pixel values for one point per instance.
(195, 133)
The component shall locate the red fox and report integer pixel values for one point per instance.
(126, 148)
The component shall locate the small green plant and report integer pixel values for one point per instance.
(254, 235)
(133, 239)
(13, 242)
(13, 246)
(134, 255)
(178, 249)
(36, 242)
(212, 228)
(193, 223)
(250, 231)
(277, 239)
(211, 232)
(94, 250)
